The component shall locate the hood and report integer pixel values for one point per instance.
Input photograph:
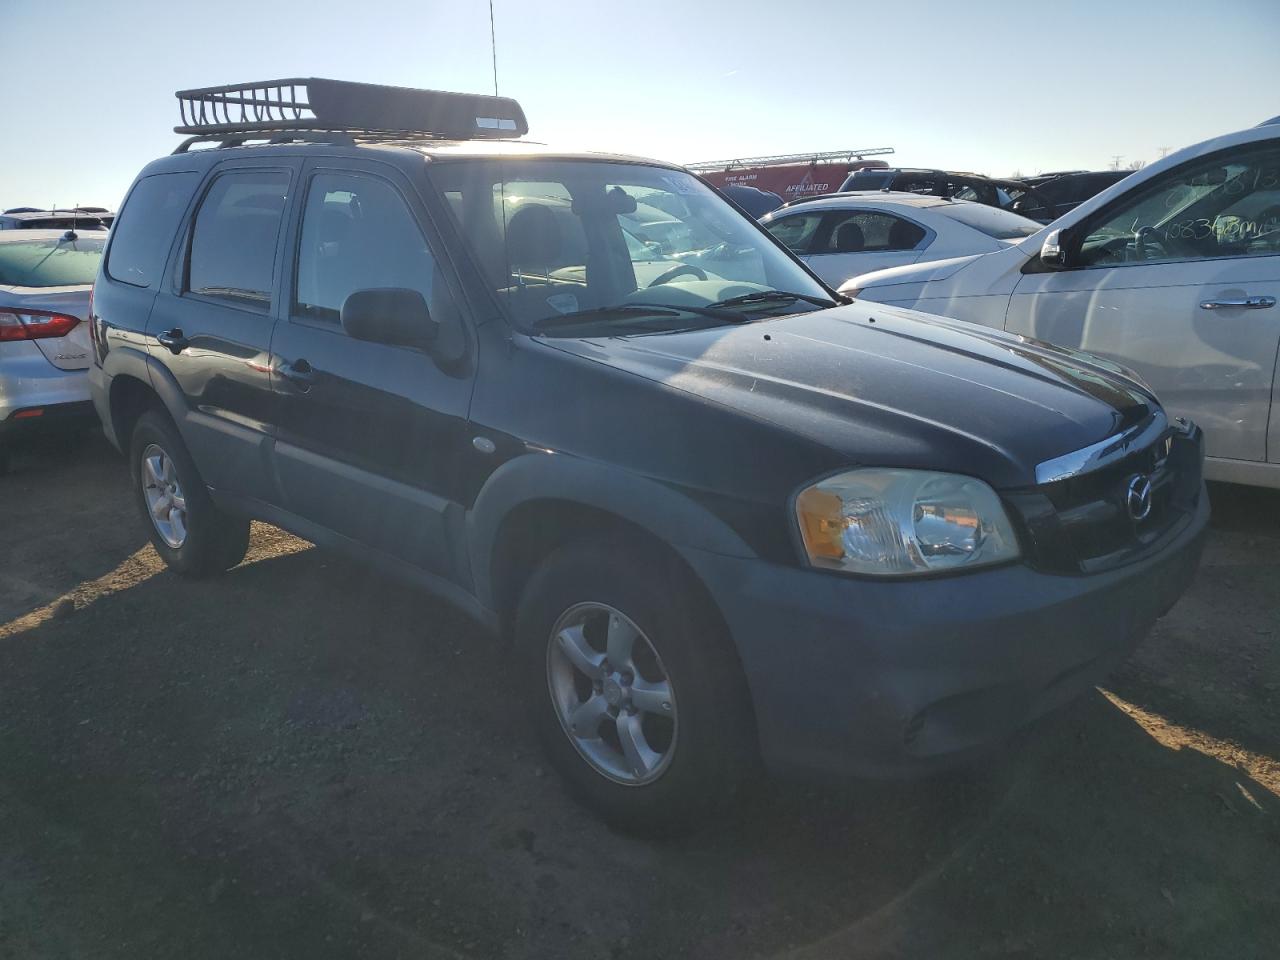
(912, 272)
(883, 386)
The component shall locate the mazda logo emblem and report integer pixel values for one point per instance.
(1137, 497)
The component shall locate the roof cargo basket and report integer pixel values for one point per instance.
(314, 104)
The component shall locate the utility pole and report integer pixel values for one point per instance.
(1115, 160)
(1164, 152)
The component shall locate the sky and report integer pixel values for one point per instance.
(989, 87)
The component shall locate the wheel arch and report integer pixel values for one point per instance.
(535, 503)
(137, 383)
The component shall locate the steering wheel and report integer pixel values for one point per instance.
(1141, 248)
(680, 269)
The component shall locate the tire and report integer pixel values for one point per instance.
(206, 541)
(705, 749)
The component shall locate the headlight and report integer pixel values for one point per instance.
(900, 522)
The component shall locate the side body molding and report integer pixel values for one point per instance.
(660, 509)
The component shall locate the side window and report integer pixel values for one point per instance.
(859, 231)
(233, 242)
(795, 232)
(359, 234)
(144, 230)
(1226, 206)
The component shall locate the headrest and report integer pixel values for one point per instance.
(533, 238)
(849, 238)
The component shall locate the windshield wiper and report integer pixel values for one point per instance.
(637, 310)
(765, 296)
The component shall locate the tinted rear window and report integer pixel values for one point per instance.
(61, 223)
(50, 263)
(145, 226)
(233, 244)
(994, 222)
(866, 180)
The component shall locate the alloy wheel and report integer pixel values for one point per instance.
(166, 504)
(612, 694)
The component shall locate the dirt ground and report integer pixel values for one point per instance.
(303, 760)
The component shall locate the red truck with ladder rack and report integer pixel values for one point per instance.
(791, 176)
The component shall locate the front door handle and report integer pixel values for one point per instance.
(1244, 303)
(300, 373)
(174, 340)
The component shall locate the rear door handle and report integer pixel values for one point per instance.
(174, 340)
(1244, 303)
(300, 373)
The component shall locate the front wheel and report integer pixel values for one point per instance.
(633, 686)
(191, 535)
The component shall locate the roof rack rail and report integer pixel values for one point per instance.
(315, 105)
(290, 136)
(833, 156)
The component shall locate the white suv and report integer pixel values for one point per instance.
(1174, 272)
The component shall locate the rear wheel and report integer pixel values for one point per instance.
(191, 535)
(633, 687)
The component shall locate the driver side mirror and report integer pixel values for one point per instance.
(1053, 252)
(391, 315)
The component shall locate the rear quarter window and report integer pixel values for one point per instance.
(144, 228)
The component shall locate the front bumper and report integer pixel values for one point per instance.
(859, 677)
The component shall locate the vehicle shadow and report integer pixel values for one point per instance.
(66, 519)
(1251, 510)
(300, 759)
(1213, 663)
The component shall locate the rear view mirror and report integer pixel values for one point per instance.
(392, 315)
(1053, 253)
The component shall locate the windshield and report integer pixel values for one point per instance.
(622, 245)
(995, 223)
(50, 263)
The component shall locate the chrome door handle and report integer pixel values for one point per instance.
(1245, 303)
(300, 373)
(173, 340)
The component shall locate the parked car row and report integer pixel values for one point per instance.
(723, 515)
(1043, 198)
(77, 218)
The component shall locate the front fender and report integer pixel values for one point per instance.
(663, 511)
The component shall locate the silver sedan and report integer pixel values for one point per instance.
(45, 280)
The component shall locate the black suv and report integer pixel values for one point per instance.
(724, 517)
(1017, 196)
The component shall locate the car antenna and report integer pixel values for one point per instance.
(71, 234)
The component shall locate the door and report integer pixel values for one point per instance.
(369, 433)
(212, 327)
(1179, 280)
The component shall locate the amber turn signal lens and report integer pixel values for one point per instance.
(821, 523)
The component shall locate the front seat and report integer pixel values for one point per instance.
(849, 238)
(533, 240)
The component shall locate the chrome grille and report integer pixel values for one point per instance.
(1083, 523)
